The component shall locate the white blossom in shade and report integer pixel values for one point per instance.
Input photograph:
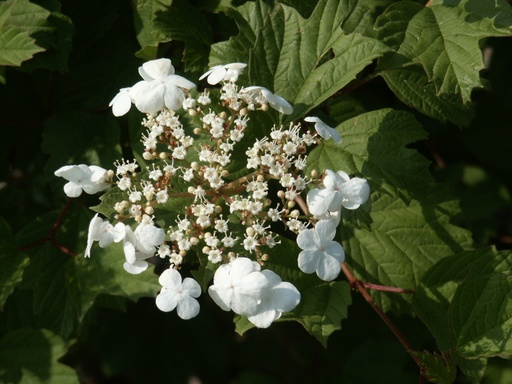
(279, 297)
(178, 294)
(160, 87)
(105, 233)
(323, 129)
(320, 253)
(238, 286)
(340, 190)
(275, 101)
(140, 245)
(228, 72)
(89, 179)
(121, 103)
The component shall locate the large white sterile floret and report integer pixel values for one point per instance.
(228, 72)
(89, 179)
(178, 294)
(279, 297)
(262, 296)
(105, 233)
(323, 129)
(237, 286)
(275, 101)
(159, 89)
(140, 245)
(340, 190)
(320, 253)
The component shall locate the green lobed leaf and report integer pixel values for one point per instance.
(303, 60)
(32, 356)
(16, 46)
(448, 51)
(149, 34)
(404, 242)
(19, 20)
(481, 315)
(373, 147)
(470, 292)
(57, 41)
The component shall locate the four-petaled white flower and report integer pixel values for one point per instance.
(159, 89)
(89, 179)
(275, 101)
(340, 190)
(178, 294)
(140, 245)
(238, 285)
(279, 297)
(320, 253)
(105, 233)
(323, 129)
(228, 72)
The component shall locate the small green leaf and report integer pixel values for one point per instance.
(32, 356)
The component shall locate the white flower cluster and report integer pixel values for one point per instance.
(222, 219)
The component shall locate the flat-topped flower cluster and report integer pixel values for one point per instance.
(214, 214)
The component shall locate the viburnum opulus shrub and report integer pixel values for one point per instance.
(243, 159)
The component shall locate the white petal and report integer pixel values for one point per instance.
(329, 268)
(209, 71)
(149, 96)
(179, 81)
(121, 103)
(240, 268)
(325, 231)
(156, 69)
(98, 174)
(72, 190)
(63, 170)
(135, 268)
(171, 280)
(335, 250)
(188, 308)
(277, 102)
(309, 260)
(129, 252)
(221, 296)
(217, 75)
(92, 235)
(355, 192)
(191, 287)
(307, 239)
(166, 301)
(263, 318)
(319, 200)
(173, 97)
(285, 297)
(222, 275)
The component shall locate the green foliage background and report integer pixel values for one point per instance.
(419, 91)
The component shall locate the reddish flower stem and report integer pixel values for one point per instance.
(51, 236)
(385, 288)
(360, 287)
